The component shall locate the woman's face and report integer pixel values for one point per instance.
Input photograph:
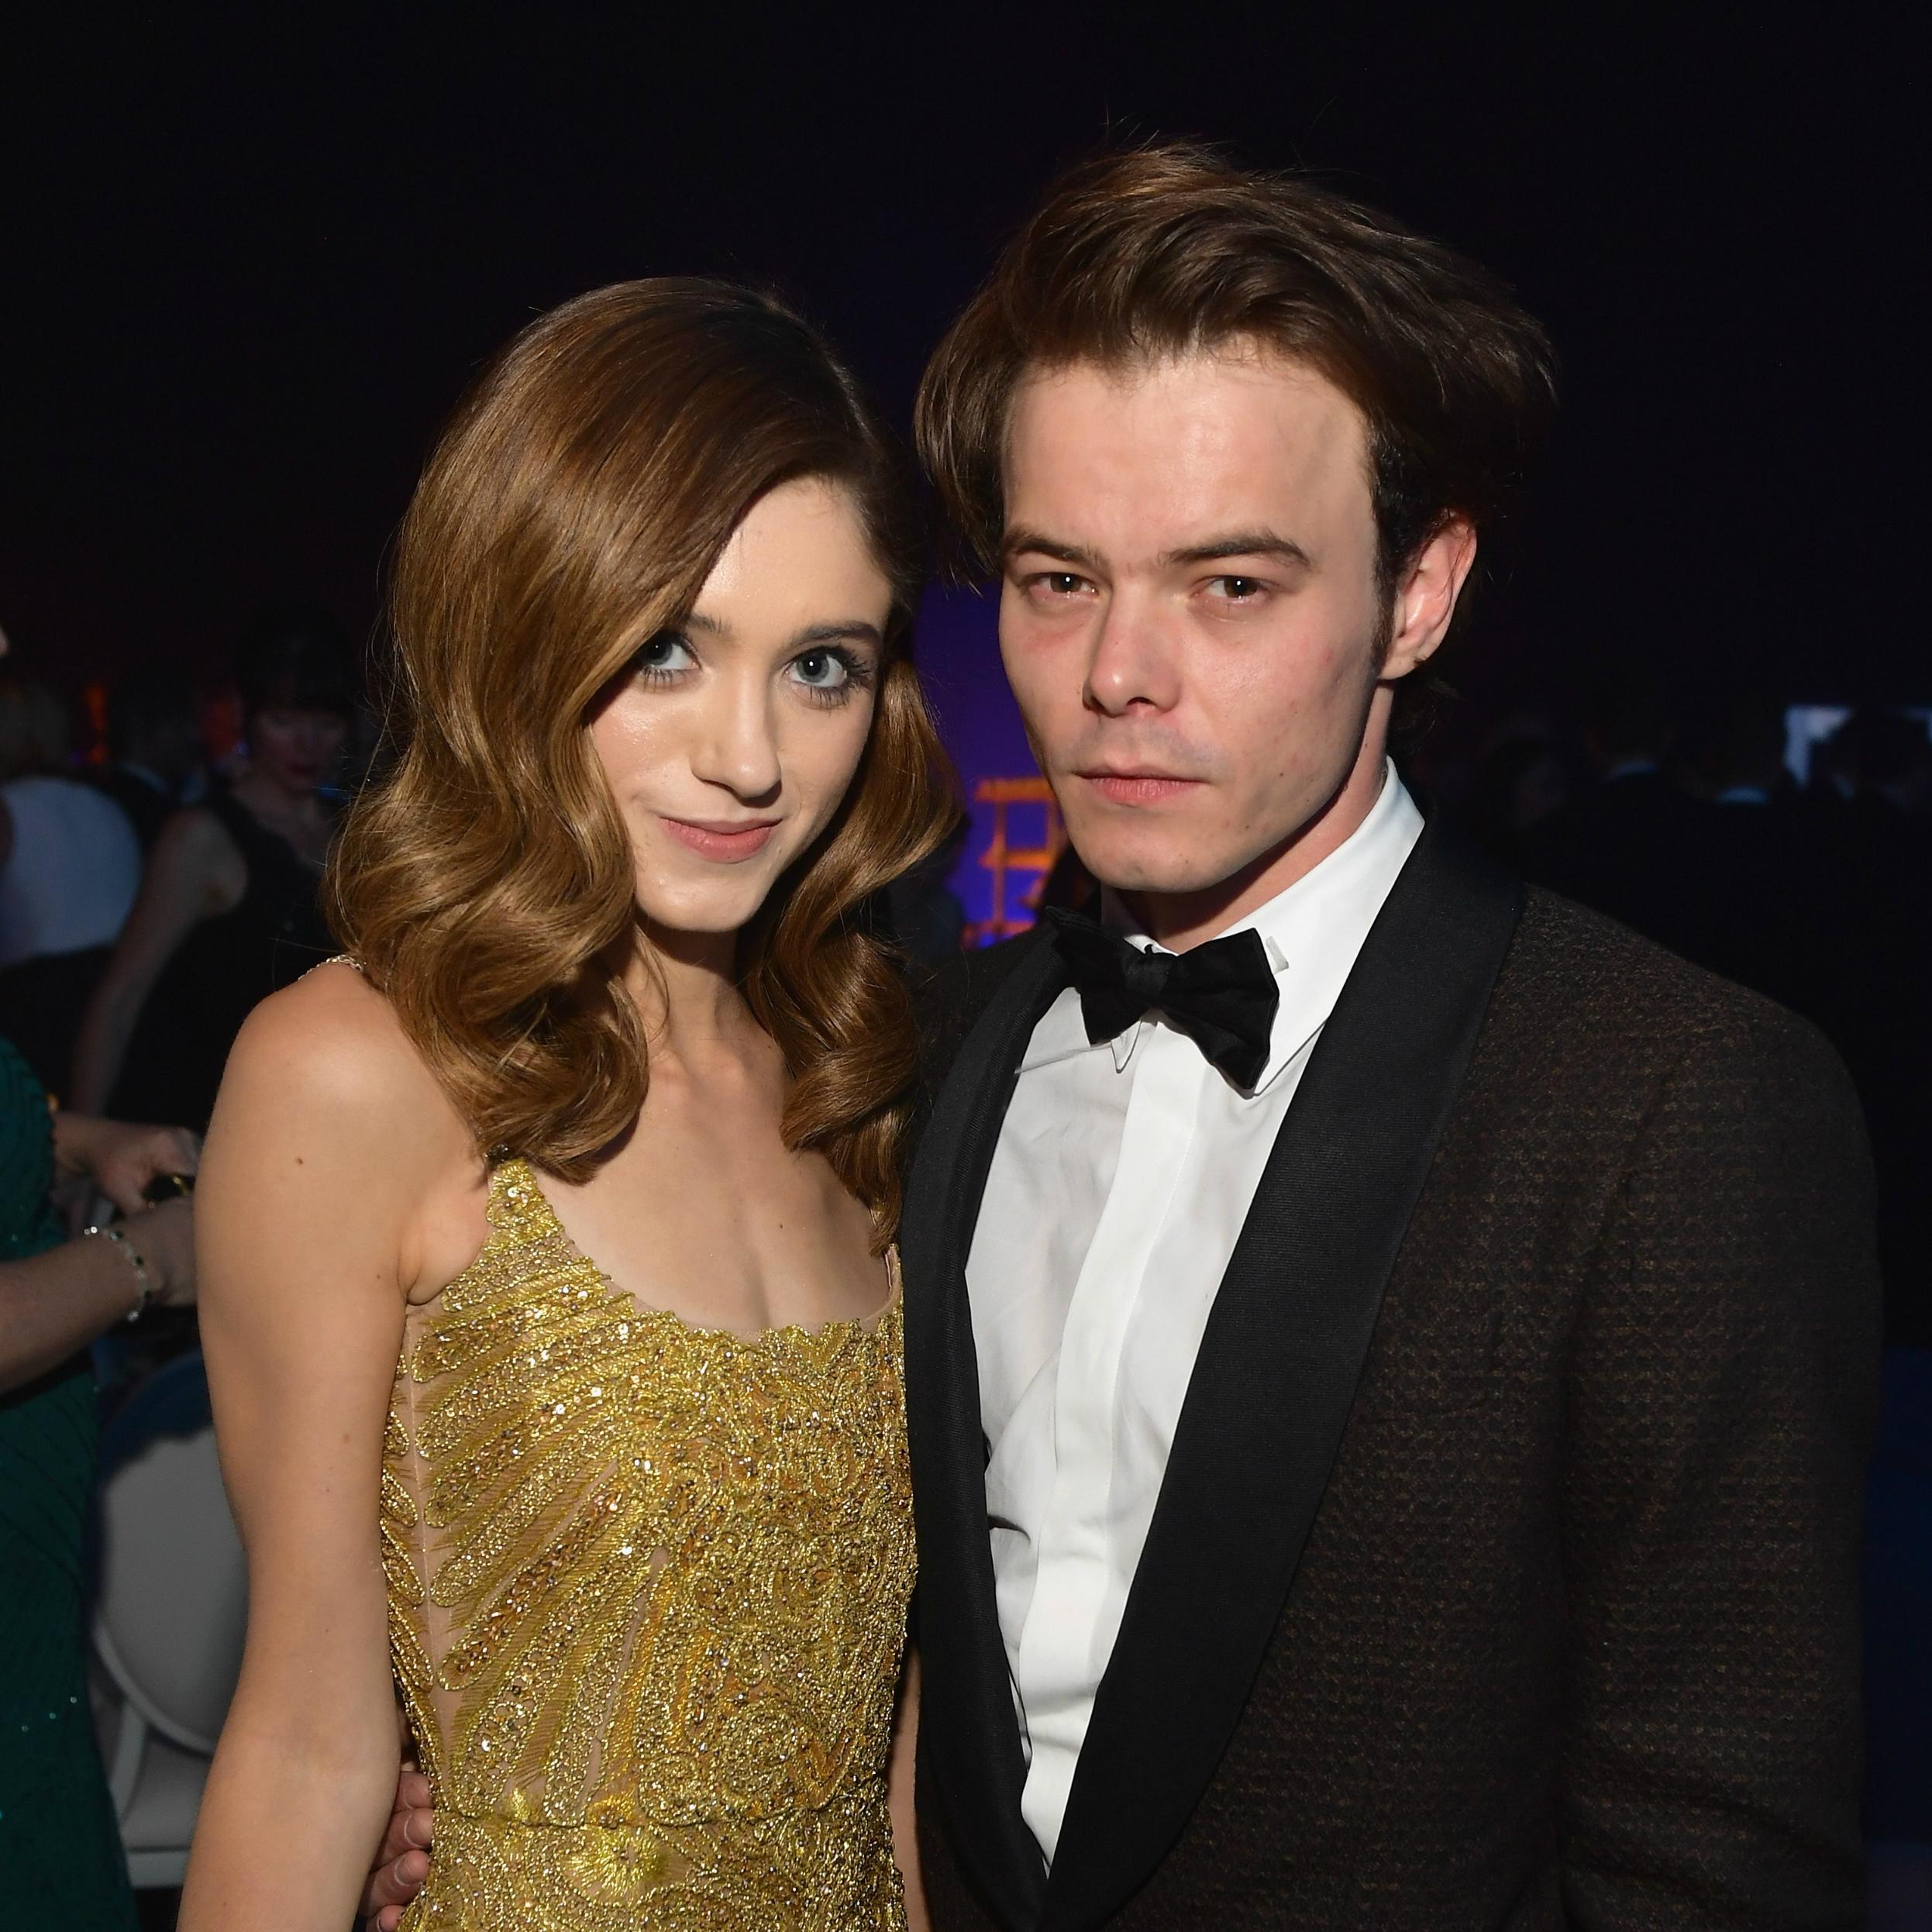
(729, 741)
(294, 746)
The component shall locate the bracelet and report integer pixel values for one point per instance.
(120, 1240)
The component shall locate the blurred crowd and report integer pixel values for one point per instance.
(149, 897)
(155, 884)
(1786, 848)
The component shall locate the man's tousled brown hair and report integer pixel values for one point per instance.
(574, 507)
(1169, 249)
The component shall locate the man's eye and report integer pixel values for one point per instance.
(1238, 590)
(1060, 582)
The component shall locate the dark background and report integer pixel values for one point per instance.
(249, 264)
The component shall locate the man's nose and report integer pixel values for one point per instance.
(1131, 664)
(739, 747)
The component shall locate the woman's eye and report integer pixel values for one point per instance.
(822, 670)
(662, 656)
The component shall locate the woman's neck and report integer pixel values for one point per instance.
(686, 986)
(268, 797)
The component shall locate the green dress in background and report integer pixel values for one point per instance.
(61, 1863)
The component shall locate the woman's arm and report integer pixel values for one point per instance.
(194, 871)
(899, 1782)
(322, 1150)
(54, 1303)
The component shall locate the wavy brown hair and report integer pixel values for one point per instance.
(574, 507)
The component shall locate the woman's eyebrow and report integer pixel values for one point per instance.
(852, 630)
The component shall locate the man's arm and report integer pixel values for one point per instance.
(1721, 1399)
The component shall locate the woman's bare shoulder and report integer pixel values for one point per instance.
(193, 836)
(331, 1047)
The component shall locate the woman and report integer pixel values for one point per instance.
(228, 910)
(601, 1142)
(60, 1857)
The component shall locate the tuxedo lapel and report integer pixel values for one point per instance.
(969, 1737)
(1276, 1374)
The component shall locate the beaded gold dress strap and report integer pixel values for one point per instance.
(339, 959)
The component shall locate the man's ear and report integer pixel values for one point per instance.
(1425, 601)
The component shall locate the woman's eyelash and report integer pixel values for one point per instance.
(859, 673)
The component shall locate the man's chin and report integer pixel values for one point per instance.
(1128, 866)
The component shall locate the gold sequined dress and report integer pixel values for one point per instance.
(647, 1598)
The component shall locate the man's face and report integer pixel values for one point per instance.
(1190, 619)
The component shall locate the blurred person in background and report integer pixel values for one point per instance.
(61, 1858)
(69, 866)
(1758, 887)
(1870, 861)
(1632, 843)
(228, 910)
(156, 760)
(1517, 785)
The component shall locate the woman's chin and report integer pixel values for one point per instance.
(702, 911)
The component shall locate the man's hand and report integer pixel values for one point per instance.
(402, 1860)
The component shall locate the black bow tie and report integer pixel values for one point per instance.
(1222, 995)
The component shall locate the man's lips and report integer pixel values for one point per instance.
(725, 839)
(1137, 787)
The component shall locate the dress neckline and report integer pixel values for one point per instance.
(515, 1169)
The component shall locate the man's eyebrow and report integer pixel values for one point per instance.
(1240, 543)
(1020, 538)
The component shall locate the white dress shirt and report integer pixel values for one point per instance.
(1122, 1176)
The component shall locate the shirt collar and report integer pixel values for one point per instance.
(1312, 930)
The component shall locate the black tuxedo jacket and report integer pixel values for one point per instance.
(1504, 1570)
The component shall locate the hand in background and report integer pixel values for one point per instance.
(164, 1238)
(120, 1158)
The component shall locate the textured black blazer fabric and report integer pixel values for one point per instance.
(1571, 1638)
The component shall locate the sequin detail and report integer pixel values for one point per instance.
(647, 1595)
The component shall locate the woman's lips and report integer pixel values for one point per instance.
(722, 839)
(1138, 788)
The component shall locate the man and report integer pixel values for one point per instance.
(1388, 1353)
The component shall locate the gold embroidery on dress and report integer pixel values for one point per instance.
(647, 1594)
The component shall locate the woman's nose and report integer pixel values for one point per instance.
(740, 749)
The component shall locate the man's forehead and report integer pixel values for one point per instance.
(1181, 445)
